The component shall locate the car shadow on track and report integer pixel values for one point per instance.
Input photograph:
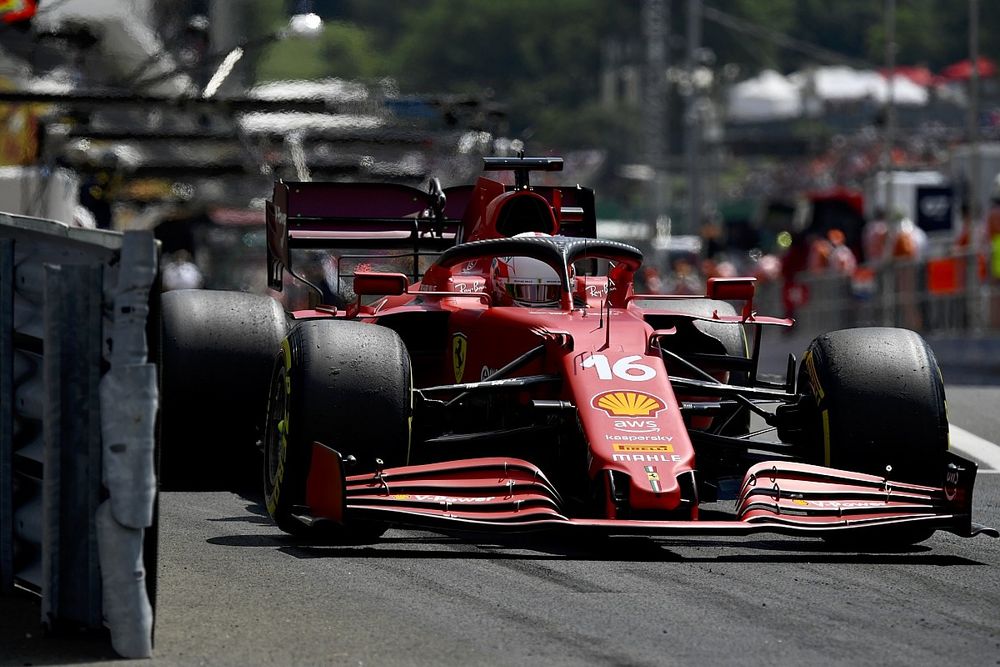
(575, 546)
(442, 546)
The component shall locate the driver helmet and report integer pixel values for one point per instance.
(525, 281)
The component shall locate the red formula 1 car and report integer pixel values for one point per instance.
(490, 367)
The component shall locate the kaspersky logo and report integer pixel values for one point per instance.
(628, 403)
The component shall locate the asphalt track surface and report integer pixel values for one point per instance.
(233, 590)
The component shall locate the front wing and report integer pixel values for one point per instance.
(507, 494)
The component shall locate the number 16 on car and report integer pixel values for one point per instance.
(627, 368)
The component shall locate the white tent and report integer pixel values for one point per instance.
(846, 84)
(768, 96)
(906, 92)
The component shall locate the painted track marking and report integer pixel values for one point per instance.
(979, 448)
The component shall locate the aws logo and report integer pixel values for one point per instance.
(629, 404)
(636, 425)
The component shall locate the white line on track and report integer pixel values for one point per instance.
(973, 445)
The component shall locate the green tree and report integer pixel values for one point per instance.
(743, 47)
(543, 59)
(343, 50)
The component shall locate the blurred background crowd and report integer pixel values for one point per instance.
(846, 154)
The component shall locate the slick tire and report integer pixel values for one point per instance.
(348, 386)
(216, 351)
(878, 407)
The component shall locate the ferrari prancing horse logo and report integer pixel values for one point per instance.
(459, 348)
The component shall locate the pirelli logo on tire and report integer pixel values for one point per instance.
(810, 366)
(272, 499)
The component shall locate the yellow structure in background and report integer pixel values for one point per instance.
(12, 11)
(18, 130)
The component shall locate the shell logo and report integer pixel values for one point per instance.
(628, 404)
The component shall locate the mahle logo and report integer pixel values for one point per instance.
(628, 404)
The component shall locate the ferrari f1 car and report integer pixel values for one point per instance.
(480, 360)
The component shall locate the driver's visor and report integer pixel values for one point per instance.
(534, 294)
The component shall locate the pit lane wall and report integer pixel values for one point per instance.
(78, 400)
(952, 300)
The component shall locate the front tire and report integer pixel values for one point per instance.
(346, 385)
(879, 408)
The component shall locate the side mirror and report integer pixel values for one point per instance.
(380, 284)
(732, 289)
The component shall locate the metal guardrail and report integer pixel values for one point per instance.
(952, 295)
(78, 400)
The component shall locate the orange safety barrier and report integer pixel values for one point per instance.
(944, 276)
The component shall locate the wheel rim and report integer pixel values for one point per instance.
(277, 425)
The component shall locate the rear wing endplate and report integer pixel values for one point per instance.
(386, 216)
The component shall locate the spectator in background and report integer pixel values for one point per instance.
(712, 238)
(831, 254)
(820, 250)
(718, 267)
(992, 258)
(993, 233)
(907, 241)
(842, 259)
(993, 214)
(907, 245)
(684, 279)
(650, 281)
(963, 239)
(767, 269)
(874, 238)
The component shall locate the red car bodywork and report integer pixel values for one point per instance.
(597, 355)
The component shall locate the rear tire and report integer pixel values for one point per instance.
(879, 409)
(216, 351)
(346, 385)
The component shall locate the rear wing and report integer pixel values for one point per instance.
(386, 216)
(392, 216)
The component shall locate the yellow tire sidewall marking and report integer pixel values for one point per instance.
(813, 377)
(826, 438)
(279, 474)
